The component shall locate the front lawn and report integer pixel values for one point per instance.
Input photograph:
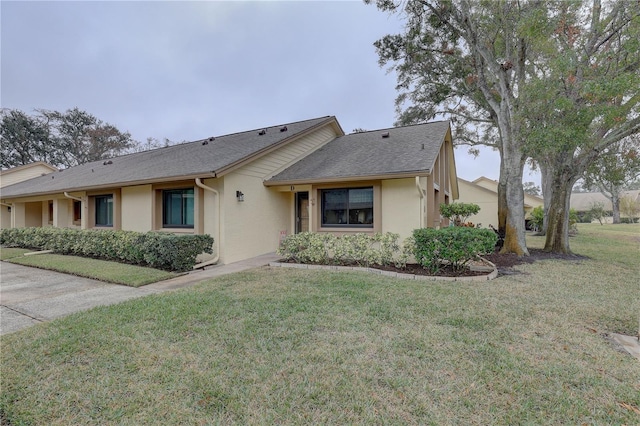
(113, 272)
(285, 346)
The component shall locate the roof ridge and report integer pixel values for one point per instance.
(263, 127)
(202, 140)
(399, 127)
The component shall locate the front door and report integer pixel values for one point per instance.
(302, 212)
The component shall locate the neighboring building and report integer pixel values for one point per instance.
(19, 174)
(582, 202)
(250, 189)
(484, 192)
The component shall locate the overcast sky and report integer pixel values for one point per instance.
(190, 70)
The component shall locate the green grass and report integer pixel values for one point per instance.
(113, 272)
(10, 253)
(313, 347)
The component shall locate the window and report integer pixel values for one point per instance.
(177, 208)
(104, 210)
(349, 207)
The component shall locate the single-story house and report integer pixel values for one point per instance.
(19, 174)
(484, 192)
(582, 202)
(250, 189)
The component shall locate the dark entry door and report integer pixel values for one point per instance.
(302, 212)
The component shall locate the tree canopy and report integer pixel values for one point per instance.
(553, 81)
(62, 139)
(582, 97)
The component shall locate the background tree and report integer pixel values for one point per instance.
(25, 139)
(614, 170)
(82, 138)
(582, 97)
(60, 139)
(630, 207)
(532, 189)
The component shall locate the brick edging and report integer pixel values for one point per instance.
(493, 274)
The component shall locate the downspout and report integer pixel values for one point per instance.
(216, 240)
(66, 194)
(421, 201)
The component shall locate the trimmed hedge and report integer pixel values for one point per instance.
(456, 246)
(323, 248)
(154, 249)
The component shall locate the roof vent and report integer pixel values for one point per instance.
(385, 135)
(283, 129)
(211, 139)
(107, 162)
(262, 132)
(205, 142)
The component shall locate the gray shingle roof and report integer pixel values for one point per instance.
(173, 162)
(409, 149)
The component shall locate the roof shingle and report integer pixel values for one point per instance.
(203, 157)
(409, 149)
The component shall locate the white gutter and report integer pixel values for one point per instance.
(421, 199)
(66, 194)
(216, 239)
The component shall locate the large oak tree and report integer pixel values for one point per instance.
(582, 99)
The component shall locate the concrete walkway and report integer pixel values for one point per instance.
(29, 296)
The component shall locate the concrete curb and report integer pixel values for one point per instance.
(493, 274)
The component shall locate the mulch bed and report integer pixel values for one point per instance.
(504, 263)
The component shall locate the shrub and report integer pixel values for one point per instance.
(458, 213)
(321, 248)
(628, 220)
(456, 246)
(597, 212)
(537, 218)
(155, 249)
(306, 247)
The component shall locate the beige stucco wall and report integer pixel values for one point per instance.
(5, 217)
(15, 175)
(252, 227)
(402, 207)
(482, 192)
(19, 174)
(486, 199)
(33, 214)
(137, 208)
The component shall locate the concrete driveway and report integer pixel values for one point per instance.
(29, 295)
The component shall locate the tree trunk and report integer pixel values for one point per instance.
(557, 240)
(546, 180)
(615, 202)
(512, 194)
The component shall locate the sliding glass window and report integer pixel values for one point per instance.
(177, 208)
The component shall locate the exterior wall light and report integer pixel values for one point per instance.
(239, 195)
